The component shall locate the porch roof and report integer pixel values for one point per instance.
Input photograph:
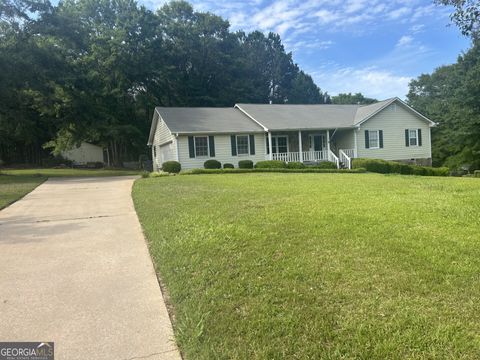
(293, 117)
(279, 117)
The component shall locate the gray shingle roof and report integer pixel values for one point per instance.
(201, 119)
(297, 117)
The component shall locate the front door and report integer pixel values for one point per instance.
(317, 142)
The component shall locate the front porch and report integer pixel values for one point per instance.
(312, 146)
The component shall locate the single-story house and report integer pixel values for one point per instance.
(389, 130)
(84, 153)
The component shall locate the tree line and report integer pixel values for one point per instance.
(95, 70)
(451, 96)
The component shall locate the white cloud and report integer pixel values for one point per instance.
(405, 40)
(399, 13)
(370, 81)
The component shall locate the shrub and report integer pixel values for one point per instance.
(228, 166)
(245, 164)
(324, 165)
(268, 170)
(156, 174)
(171, 167)
(476, 173)
(271, 164)
(295, 165)
(212, 164)
(385, 167)
(373, 165)
(145, 174)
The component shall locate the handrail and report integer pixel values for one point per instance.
(345, 159)
(333, 158)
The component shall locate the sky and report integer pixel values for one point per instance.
(369, 46)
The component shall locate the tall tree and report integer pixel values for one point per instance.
(451, 97)
(466, 15)
(358, 98)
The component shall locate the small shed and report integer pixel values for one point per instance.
(85, 153)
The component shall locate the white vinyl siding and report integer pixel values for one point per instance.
(163, 145)
(393, 122)
(223, 151)
(344, 139)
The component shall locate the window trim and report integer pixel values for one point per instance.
(370, 138)
(410, 138)
(195, 147)
(248, 144)
(276, 138)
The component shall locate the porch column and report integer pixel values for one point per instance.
(355, 143)
(300, 147)
(328, 141)
(270, 154)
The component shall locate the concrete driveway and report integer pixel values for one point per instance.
(75, 269)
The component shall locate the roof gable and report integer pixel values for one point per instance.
(368, 111)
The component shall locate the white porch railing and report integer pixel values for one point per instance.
(349, 152)
(295, 156)
(314, 155)
(333, 158)
(345, 159)
(287, 157)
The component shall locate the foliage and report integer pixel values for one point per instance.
(387, 167)
(212, 164)
(307, 266)
(271, 164)
(171, 167)
(93, 71)
(358, 98)
(466, 15)
(228, 166)
(295, 165)
(272, 170)
(476, 173)
(245, 164)
(324, 165)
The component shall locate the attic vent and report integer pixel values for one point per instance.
(393, 107)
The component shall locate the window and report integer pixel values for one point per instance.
(279, 144)
(373, 139)
(242, 145)
(413, 137)
(201, 146)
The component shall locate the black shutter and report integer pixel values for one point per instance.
(233, 140)
(407, 141)
(419, 137)
(211, 145)
(252, 144)
(380, 137)
(367, 140)
(191, 146)
(267, 144)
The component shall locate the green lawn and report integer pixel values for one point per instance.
(309, 266)
(15, 184)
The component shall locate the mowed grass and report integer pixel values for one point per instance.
(13, 188)
(14, 184)
(317, 266)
